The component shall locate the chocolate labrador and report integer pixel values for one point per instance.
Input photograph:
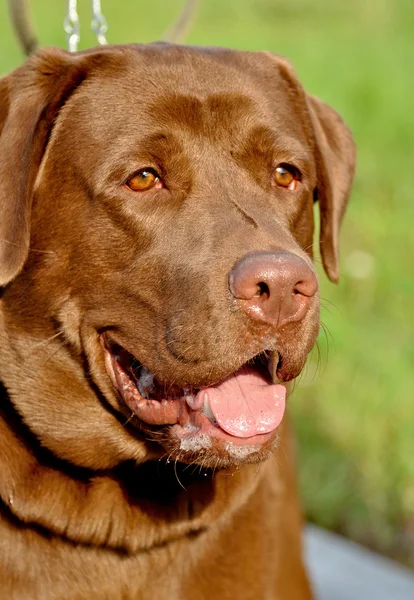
(157, 294)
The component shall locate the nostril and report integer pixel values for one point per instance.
(263, 290)
(306, 287)
(299, 288)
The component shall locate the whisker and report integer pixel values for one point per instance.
(29, 250)
(325, 301)
(44, 342)
(129, 419)
(307, 247)
(176, 474)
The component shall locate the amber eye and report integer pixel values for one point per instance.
(144, 180)
(286, 176)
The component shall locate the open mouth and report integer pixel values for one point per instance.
(244, 408)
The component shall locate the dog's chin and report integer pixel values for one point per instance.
(225, 423)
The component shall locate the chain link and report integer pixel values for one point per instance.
(99, 24)
(71, 26)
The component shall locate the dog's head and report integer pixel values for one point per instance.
(155, 247)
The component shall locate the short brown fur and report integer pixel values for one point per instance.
(90, 504)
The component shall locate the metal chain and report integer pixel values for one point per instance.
(71, 26)
(99, 24)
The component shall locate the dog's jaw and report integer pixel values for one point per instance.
(242, 411)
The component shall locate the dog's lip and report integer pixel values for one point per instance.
(185, 413)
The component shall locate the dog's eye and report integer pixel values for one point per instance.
(144, 180)
(286, 176)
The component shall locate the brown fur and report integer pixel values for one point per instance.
(89, 507)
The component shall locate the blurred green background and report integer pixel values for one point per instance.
(353, 406)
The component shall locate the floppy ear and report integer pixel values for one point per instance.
(336, 155)
(30, 99)
(335, 161)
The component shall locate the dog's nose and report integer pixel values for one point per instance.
(273, 287)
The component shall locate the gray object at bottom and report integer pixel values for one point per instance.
(342, 570)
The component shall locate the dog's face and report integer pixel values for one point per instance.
(168, 195)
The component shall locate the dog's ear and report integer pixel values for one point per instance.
(30, 100)
(336, 155)
(335, 161)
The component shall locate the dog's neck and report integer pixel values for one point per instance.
(92, 493)
(131, 508)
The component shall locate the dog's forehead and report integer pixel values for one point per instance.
(156, 67)
(194, 89)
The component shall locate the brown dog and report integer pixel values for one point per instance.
(157, 292)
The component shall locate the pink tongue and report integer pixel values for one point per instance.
(245, 404)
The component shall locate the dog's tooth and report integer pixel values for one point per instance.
(207, 408)
(124, 380)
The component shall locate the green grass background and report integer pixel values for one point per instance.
(354, 411)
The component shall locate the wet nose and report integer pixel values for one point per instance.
(273, 287)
